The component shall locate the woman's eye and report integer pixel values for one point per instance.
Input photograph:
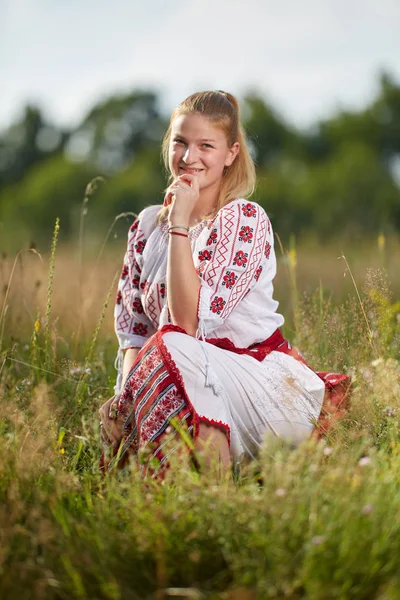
(207, 145)
(178, 141)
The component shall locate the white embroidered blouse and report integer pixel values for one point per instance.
(234, 257)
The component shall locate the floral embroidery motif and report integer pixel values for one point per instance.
(137, 306)
(139, 247)
(249, 210)
(124, 272)
(134, 226)
(140, 329)
(267, 250)
(119, 297)
(205, 254)
(217, 304)
(240, 258)
(162, 290)
(200, 269)
(229, 279)
(246, 234)
(258, 273)
(136, 282)
(212, 238)
(143, 285)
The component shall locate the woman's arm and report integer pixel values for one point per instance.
(129, 359)
(183, 284)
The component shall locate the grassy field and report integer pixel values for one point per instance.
(321, 521)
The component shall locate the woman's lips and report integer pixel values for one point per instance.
(191, 171)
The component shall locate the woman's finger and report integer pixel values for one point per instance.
(167, 199)
(185, 179)
(109, 428)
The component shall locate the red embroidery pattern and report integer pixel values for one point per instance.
(151, 304)
(129, 313)
(140, 329)
(258, 273)
(200, 269)
(137, 306)
(139, 247)
(212, 239)
(123, 320)
(249, 210)
(240, 258)
(217, 304)
(267, 251)
(154, 393)
(246, 234)
(222, 249)
(229, 279)
(134, 225)
(242, 285)
(231, 254)
(205, 255)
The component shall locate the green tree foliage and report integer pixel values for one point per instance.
(340, 178)
(50, 189)
(133, 188)
(378, 126)
(270, 136)
(117, 130)
(27, 142)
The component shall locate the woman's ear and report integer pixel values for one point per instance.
(232, 154)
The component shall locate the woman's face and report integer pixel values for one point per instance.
(198, 147)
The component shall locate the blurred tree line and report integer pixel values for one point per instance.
(340, 178)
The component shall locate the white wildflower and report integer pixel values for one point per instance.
(317, 540)
(367, 509)
(375, 363)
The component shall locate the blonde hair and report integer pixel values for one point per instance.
(222, 109)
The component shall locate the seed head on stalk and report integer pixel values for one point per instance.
(47, 333)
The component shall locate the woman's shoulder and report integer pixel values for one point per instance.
(149, 214)
(243, 208)
(146, 220)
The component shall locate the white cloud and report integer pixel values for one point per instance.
(307, 57)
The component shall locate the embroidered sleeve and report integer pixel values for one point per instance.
(131, 324)
(231, 263)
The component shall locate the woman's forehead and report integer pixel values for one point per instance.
(196, 126)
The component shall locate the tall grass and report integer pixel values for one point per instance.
(320, 521)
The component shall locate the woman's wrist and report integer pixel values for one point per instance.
(174, 221)
(179, 228)
(183, 226)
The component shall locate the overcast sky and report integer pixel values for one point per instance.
(309, 58)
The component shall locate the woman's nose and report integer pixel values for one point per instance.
(189, 155)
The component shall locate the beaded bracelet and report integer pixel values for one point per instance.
(177, 233)
(178, 227)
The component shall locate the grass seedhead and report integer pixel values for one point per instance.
(48, 347)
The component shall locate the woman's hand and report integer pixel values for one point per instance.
(182, 195)
(110, 428)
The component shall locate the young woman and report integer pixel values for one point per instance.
(197, 324)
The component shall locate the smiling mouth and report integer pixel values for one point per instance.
(189, 170)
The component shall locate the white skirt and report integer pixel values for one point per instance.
(278, 396)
